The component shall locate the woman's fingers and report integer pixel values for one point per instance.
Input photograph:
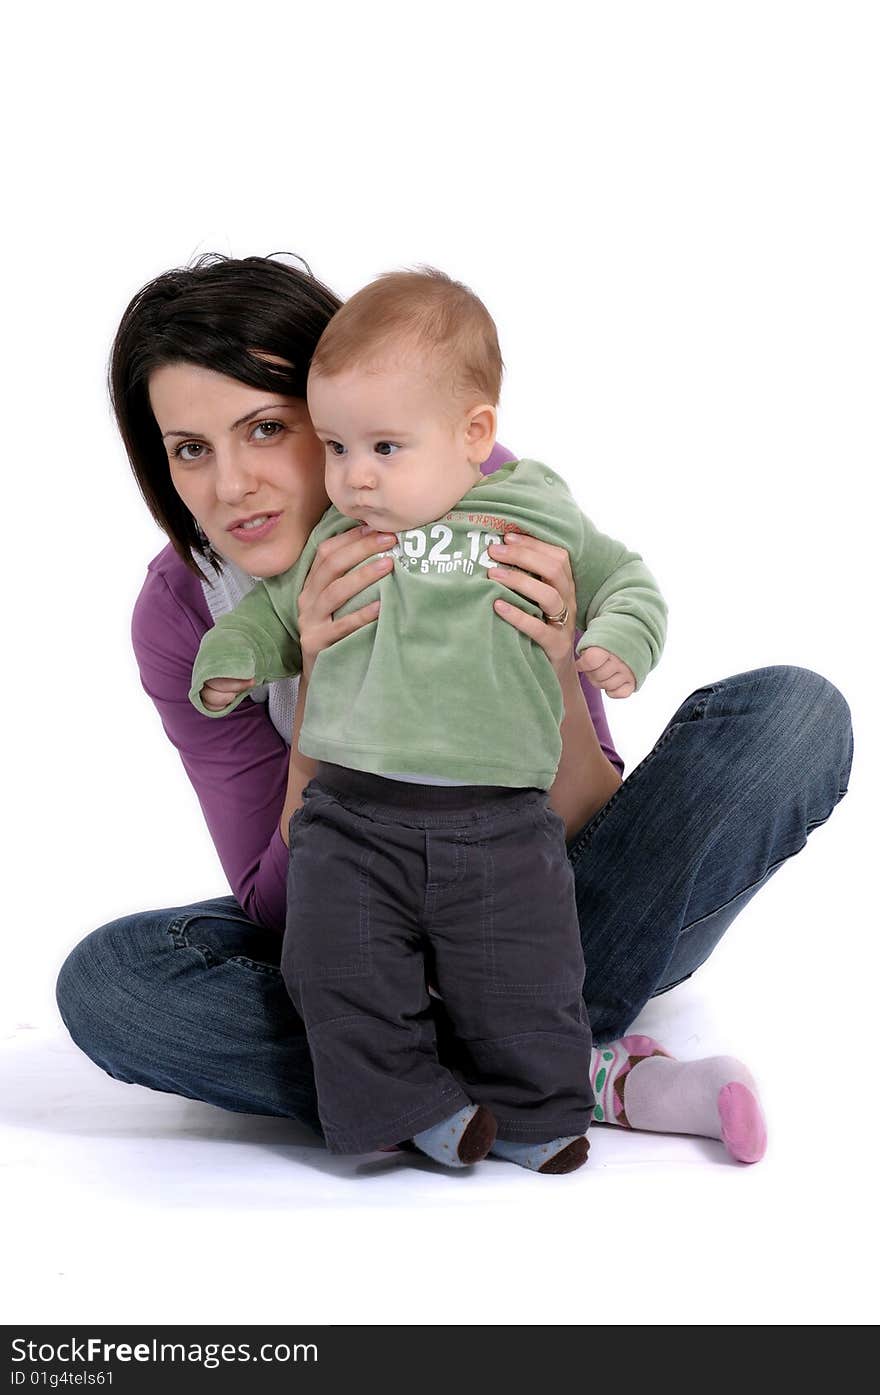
(549, 562)
(542, 572)
(336, 556)
(336, 593)
(334, 577)
(321, 634)
(554, 641)
(354, 620)
(544, 595)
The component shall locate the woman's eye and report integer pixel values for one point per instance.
(335, 447)
(271, 428)
(189, 450)
(385, 447)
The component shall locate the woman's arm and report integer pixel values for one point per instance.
(238, 767)
(586, 778)
(589, 768)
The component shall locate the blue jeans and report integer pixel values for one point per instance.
(191, 999)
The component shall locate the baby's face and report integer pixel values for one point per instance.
(398, 452)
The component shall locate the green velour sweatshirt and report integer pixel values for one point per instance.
(440, 685)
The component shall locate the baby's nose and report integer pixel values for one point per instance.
(361, 474)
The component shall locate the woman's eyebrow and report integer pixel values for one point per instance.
(267, 406)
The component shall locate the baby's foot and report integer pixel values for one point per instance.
(561, 1155)
(464, 1138)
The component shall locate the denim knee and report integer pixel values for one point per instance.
(88, 990)
(806, 696)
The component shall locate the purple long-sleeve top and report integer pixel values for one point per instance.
(238, 767)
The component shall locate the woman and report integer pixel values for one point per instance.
(208, 377)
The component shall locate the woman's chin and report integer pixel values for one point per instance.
(261, 560)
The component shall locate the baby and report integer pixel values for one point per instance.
(426, 849)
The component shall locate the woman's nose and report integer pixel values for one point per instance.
(234, 479)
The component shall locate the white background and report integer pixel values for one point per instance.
(671, 209)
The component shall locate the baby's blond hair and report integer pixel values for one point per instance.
(425, 309)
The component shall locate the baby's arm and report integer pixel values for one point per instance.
(621, 611)
(252, 644)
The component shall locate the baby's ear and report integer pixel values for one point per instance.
(482, 424)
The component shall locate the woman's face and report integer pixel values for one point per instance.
(245, 461)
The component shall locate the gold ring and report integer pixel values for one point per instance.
(559, 619)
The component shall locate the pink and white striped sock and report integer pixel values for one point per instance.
(639, 1085)
(609, 1067)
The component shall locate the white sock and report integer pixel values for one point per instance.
(638, 1085)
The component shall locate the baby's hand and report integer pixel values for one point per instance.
(219, 692)
(606, 671)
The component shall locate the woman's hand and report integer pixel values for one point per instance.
(331, 582)
(552, 588)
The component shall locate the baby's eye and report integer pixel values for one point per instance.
(335, 447)
(271, 428)
(182, 452)
(385, 447)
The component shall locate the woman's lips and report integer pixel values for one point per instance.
(251, 533)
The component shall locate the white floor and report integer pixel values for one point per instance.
(125, 1205)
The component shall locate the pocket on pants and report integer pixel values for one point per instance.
(531, 928)
(328, 898)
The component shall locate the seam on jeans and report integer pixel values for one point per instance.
(213, 960)
(695, 924)
(152, 1002)
(581, 840)
(178, 931)
(178, 928)
(658, 993)
(707, 692)
(254, 964)
(576, 848)
(181, 939)
(774, 867)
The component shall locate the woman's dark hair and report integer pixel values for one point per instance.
(219, 313)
